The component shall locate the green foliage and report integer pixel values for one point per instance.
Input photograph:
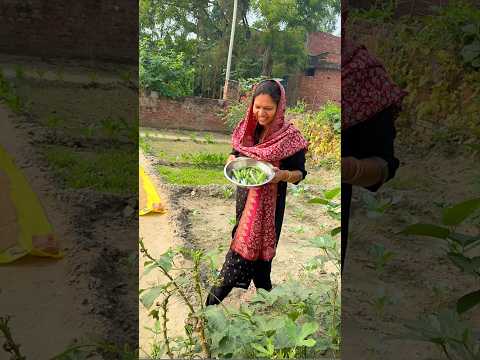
(192, 175)
(447, 329)
(209, 139)
(246, 85)
(163, 70)
(299, 108)
(445, 94)
(205, 158)
(322, 131)
(234, 114)
(111, 171)
(331, 202)
(9, 95)
(200, 30)
(296, 319)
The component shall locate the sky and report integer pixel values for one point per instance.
(338, 25)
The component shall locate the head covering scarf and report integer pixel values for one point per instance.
(255, 236)
(366, 87)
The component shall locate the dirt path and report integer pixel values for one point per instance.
(37, 292)
(419, 279)
(158, 233)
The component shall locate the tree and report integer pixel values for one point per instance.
(284, 20)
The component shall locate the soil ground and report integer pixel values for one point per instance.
(87, 295)
(419, 279)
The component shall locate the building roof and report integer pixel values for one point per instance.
(326, 45)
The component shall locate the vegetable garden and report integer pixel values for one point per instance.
(299, 318)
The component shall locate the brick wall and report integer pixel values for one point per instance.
(190, 113)
(316, 90)
(89, 29)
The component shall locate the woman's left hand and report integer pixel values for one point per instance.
(280, 175)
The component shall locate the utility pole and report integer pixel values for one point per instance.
(230, 49)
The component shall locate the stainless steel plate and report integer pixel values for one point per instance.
(241, 162)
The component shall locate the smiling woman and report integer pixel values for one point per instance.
(263, 135)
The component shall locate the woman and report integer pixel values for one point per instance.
(263, 135)
(370, 105)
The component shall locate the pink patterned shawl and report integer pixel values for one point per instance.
(366, 87)
(255, 236)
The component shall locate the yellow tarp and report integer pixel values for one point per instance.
(24, 227)
(149, 199)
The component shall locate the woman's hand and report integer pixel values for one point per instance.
(280, 175)
(231, 158)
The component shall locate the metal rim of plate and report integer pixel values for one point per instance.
(242, 162)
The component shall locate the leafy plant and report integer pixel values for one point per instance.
(40, 72)
(446, 329)
(381, 256)
(296, 319)
(54, 121)
(234, 113)
(204, 158)
(19, 72)
(375, 207)
(299, 108)
(165, 71)
(227, 192)
(330, 200)
(209, 139)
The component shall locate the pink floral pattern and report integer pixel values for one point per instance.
(255, 237)
(366, 87)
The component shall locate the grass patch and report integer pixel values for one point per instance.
(191, 175)
(175, 149)
(111, 171)
(205, 158)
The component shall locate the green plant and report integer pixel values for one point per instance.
(111, 127)
(322, 130)
(205, 158)
(54, 121)
(8, 94)
(447, 329)
(299, 213)
(192, 175)
(60, 72)
(93, 77)
(40, 72)
(299, 108)
(296, 319)
(299, 230)
(381, 256)
(110, 171)
(19, 72)
(329, 200)
(234, 113)
(228, 192)
(145, 145)
(165, 71)
(298, 190)
(193, 137)
(209, 139)
(375, 208)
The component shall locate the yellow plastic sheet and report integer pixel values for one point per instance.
(24, 227)
(149, 199)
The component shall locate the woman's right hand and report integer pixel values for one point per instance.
(231, 158)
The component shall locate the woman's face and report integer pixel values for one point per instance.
(264, 109)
